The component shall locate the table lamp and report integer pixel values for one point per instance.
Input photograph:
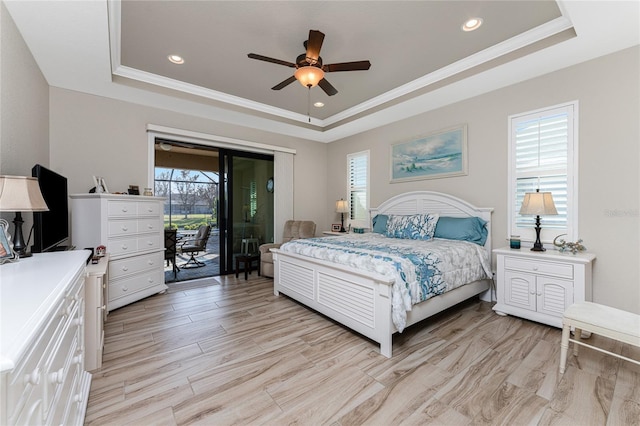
(342, 207)
(20, 194)
(538, 203)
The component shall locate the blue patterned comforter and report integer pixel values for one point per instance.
(421, 269)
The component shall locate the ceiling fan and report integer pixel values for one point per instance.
(309, 68)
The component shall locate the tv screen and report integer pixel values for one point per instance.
(51, 228)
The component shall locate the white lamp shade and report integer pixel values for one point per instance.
(538, 203)
(309, 76)
(342, 206)
(21, 194)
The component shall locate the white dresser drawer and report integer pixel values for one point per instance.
(122, 246)
(563, 270)
(122, 227)
(62, 365)
(133, 265)
(30, 372)
(150, 242)
(149, 208)
(129, 285)
(150, 225)
(122, 208)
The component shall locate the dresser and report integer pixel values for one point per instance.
(540, 286)
(132, 229)
(44, 380)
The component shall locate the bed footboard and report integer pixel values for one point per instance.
(359, 301)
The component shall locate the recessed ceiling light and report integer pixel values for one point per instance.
(318, 104)
(176, 59)
(472, 24)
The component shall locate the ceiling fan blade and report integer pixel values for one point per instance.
(327, 87)
(284, 83)
(347, 66)
(272, 60)
(313, 46)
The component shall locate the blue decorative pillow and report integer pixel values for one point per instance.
(413, 227)
(462, 228)
(380, 223)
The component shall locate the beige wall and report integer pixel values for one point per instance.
(608, 91)
(24, 108)
(92, 135)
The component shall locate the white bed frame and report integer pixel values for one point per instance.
(362, 300)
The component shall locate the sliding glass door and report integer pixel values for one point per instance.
(246, 204)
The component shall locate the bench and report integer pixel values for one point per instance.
(598, 319)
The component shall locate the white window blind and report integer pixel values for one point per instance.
(542, 146)
(358, 187)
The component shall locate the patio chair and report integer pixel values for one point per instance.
(170, 249)
(194, 246)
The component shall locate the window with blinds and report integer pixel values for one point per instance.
(358, 188)
(542, 145)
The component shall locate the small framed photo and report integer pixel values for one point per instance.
(134, 190)
(335, 227)
(6, 248)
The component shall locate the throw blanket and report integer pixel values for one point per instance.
(420, 269)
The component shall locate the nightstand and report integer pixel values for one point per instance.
(540, 285)
(334, 233)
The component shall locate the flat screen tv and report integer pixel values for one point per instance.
(51, 229)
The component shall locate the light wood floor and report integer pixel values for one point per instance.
(231, 352)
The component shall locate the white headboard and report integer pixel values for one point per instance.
(433, 202)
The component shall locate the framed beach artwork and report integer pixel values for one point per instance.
(436, 155)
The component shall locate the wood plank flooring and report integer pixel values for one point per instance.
(227, 351)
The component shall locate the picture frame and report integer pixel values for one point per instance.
(100, 185)
(335, 227)
(7, 254)
(440, 154)
(134, 190)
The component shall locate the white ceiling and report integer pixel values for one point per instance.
(420, 58)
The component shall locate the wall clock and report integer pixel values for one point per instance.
(270, 185)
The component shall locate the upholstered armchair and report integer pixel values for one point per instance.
(293, 229)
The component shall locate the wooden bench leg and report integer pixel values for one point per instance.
(564, 347)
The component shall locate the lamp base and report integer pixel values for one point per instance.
(537, 246)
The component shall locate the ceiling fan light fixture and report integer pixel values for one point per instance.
(309, 76)
(472, 24)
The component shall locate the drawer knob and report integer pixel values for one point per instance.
(124, 209)
(77, 359)
(125, 229)
(104, 307)
(149, 243)
(150, 226)
(33, 378)
(125, 288)
(150, 262)
(79, 321)
(125, 247)
(535, 268)
(57, 377)
(150, 280)
(125, 268)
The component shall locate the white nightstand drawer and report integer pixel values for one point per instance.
(563, 270)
